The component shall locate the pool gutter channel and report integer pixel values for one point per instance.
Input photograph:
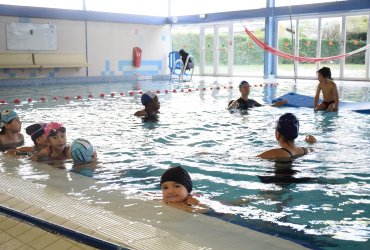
(97, 227)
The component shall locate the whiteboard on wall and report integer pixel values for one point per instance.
(30, 36)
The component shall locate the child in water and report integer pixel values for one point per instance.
(287, 128)
(56, 138)
(176, 187)
(36, 131)
(151, 105)
(10, 125)
(329, 91)
(84, 157)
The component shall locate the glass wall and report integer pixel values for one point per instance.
(196, 7)
(248, 57)
(187, 38)
(286, 43)
(137, 7)
(307, 47)
(356, 37)
(65, 4)
(279, 3)
(331, 43)
(209, 44)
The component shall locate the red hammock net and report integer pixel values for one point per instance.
(299, 58)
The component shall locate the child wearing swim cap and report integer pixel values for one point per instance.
(287, 129)
(57, 139)
(10, 125)
(151, 105)
(36, 131)
(176, 186)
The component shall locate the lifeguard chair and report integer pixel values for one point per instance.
(180, 71)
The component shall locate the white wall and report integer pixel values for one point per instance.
(106, 42)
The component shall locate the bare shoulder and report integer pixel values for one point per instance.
(272, 154)
(140, 113)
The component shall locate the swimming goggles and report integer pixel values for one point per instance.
(51, 129)
(54, 131)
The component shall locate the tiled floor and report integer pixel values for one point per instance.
(19, 235)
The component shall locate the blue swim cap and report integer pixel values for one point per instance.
(147, 97)
(6, 116)
(288, 126)
(82, 151)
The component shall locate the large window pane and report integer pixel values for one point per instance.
(208, 50)
(136, 7)
(65, 4)
(330, 43)
(248, 57)
(279, 3)
(286, 36)
(187, 39)
(196, 7)
(223, 49)
(307, 35)
(356, 37)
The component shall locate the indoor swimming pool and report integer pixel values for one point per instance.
(320, 201)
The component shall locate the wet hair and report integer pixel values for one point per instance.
(288, 126)
(325, 72)
(242, 83)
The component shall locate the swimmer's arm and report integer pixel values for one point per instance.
(279, 103)
(140, 113)
(41, 156)
(336, 97)
(20, 151)
(233, 104)
(310, 139)
(317, 95)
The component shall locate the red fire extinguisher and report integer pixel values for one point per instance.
(137, 57)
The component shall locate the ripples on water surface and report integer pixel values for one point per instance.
(321, 200)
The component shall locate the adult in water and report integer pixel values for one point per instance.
(287, 129)
(244, 103)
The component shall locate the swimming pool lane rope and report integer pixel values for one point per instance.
(128, 93)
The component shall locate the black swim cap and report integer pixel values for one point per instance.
(179, 175)
(35, 130)
(325, 72)
(288, 126)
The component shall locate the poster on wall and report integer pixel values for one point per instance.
(30, 36)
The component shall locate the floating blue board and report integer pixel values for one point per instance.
(297, 100)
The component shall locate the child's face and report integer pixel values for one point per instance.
(320, 77)
(14, 125)
(42, 141)
(173, 191)
(58, 141)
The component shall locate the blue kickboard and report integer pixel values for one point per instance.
(297, 100)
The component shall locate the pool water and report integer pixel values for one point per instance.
(321, 200)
